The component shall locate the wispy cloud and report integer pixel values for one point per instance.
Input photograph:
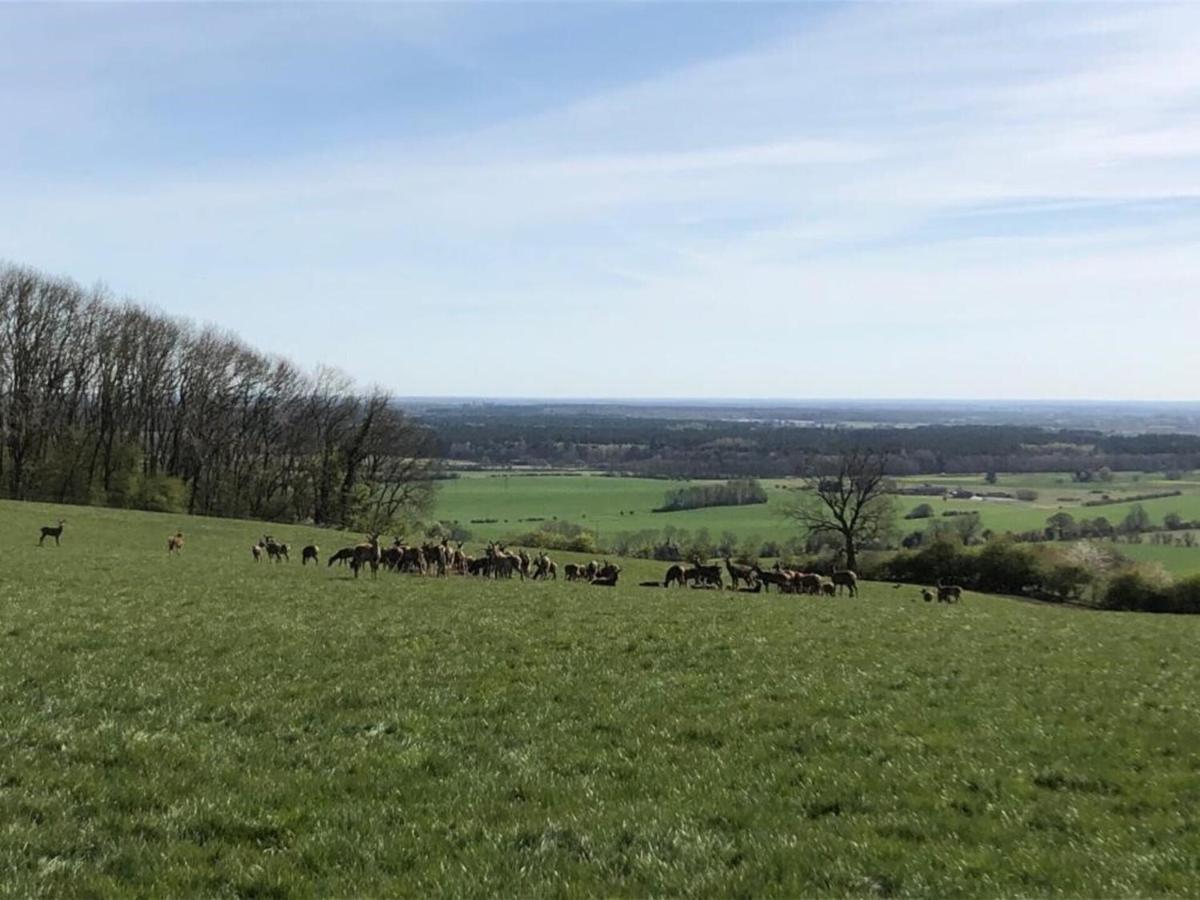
(883, 200)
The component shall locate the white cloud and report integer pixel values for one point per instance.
(843, 195)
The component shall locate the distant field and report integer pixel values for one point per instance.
(611, 505)
(202, 725)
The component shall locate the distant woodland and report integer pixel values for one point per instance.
(732, 448)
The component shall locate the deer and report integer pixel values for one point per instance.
(365, 554)
(256, 551)
(948, 593)
(740, 573)
(844, 578)
(346, 553)
(275, 550)
(175, 542)
(309, 552)
(675, 576)
(52, 531)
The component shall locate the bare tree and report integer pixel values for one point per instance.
(848, 497)
(117, 403)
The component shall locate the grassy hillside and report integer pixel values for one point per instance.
(205, 725)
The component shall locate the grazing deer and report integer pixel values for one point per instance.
(257, 551)
(675, 576)
(810, 583)
(52, 531)
(309, 552)
(175, 542)
(927, 595)
(275, 550)
(827, 588)
(342, 556)
(781, 580)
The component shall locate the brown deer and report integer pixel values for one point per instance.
(675, 576)
(52, 531)
(927, 595)
(367, 554)
(844, 578)
(781, 580)
(175, 542)
(810, 583)
(276, 551)
(342, 556)
(309, 552)
(740, 573)
(949, 593)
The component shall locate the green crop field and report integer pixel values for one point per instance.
(205, 725)
(612, 505)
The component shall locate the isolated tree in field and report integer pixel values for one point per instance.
(1061, 527)
(847, 498)
(1136, 521)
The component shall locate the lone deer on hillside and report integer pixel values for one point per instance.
(52, 531)
(175, 542)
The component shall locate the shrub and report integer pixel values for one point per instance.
(924, 511)
(1007, 567)
(1027, 494)
(1185, 595)
(157, 493)
(560, 536)
(1133, 590)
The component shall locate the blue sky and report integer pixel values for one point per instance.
(942, 199)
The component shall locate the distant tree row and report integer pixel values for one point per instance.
(720, 449)
(739, 492)
(111, 403)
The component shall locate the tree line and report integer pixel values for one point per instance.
(739, 492)
(550, 437)
(111, 403)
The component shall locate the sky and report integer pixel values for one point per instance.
(801, 200)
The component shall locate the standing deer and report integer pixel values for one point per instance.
(948, 593)
(175, 542)
(309, 552)
(846, 579)
(52, 531)
(365, 554)
(740, 573)
(257, 551)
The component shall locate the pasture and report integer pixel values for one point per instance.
(200, 724)
(610, 505)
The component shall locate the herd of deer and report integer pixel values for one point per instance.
(754, 579)
(499, 562)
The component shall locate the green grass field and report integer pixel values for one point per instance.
(202, 725)
(613, 505)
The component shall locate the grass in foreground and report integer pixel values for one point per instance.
(204, 725)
